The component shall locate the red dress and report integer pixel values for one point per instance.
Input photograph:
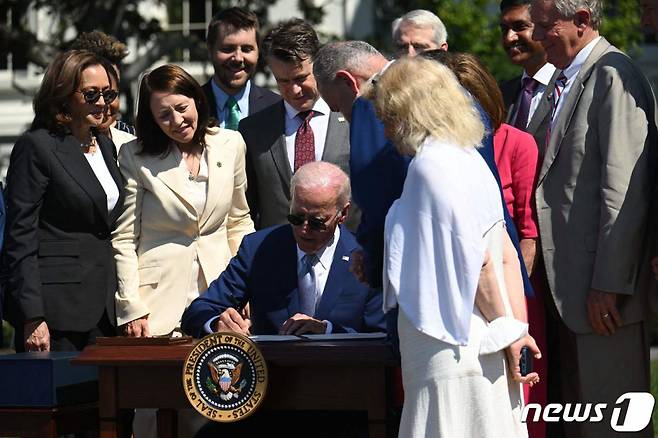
(516, 156)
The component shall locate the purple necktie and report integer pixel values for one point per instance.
(529, 87)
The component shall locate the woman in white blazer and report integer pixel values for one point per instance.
(185, 211)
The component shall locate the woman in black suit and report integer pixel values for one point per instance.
(64, 195)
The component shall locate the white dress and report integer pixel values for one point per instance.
(449, 214)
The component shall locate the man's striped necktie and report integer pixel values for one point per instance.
(560, 84)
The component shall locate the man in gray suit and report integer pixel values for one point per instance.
(290, 133)
(593, 193)
(526, 96)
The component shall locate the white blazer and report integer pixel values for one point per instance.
(160, 233)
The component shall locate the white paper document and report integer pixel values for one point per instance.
(329, 337)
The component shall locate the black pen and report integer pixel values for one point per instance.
(235, 303)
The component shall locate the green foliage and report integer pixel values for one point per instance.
(7, 333)
(211, 385)
(472, 30)
(473, 27)
(311, 12)
(621, 25)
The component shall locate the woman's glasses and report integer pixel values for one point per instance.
(93, 94)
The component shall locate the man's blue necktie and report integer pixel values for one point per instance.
(307, 285)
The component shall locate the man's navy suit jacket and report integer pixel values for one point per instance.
(378, 171)
(264, 273)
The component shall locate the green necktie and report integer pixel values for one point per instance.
(233, 114)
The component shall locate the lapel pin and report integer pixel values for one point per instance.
(341, 118)
(346, 258)
(219, 164)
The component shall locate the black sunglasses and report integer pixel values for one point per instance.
(92, 95)
(314, 223)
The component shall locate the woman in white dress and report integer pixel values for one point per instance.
(447, 266)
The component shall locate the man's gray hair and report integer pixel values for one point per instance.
(353, 56)
(321, 174)
(568, 8)
(422, 18)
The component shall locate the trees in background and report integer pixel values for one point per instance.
(473, 27)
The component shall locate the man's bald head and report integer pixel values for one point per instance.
(320, 202)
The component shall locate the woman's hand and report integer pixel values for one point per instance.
(36, 336)
(137, 328)
(513, 353)
(358, 266)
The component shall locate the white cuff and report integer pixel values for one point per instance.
(501, 333)
(329, 328)
(207, 327)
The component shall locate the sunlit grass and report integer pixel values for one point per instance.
(654, 391)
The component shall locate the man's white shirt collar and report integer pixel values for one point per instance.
(221, 98)
(572, 70)
(325, 254)
(375, 77)
(543, 75)
(320, 106)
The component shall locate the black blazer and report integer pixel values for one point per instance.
(259, 98)
(58, 250)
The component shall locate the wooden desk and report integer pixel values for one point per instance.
(48, 422)
(339, 375)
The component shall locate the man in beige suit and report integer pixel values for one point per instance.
(592, 203)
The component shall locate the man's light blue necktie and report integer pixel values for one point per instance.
(307, 285)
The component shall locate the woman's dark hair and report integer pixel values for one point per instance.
(101, 44)
(506, 4)
(60, 81)
(475, 77)
(172, 79)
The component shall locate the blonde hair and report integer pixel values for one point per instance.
(417, 98)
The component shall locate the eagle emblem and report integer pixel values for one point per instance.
(226, 378)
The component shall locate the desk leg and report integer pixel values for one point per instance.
(376, 403)
(167, 421)
(108, 408)
(49, 430)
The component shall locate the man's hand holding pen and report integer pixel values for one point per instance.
(232, 320)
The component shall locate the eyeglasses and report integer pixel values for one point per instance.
(314, 223)
(92, 95)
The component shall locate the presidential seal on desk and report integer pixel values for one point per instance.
(225, 377)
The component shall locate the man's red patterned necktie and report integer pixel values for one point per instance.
(304, 141)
